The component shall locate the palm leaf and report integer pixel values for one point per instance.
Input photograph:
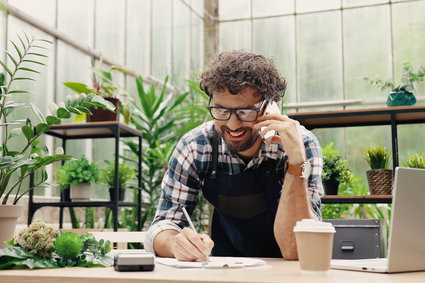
(6, 68)
(37, 54)
(28, 70)
(22, 42)
(11, 58)
(35, 62)
(17, 49)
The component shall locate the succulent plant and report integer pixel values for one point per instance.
(38, 239)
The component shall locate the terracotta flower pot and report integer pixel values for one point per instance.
(9, 215)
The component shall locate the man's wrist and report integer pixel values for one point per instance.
(302, 169)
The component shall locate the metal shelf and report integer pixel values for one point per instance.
(94, 130)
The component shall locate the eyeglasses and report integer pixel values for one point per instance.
(243, 114)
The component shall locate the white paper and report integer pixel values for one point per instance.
(217, 261)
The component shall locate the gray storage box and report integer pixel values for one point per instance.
(358, 238)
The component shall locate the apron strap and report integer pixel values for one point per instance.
(214, 157)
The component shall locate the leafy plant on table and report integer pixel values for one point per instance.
(59, 250)
(18, 164)
(408, 80)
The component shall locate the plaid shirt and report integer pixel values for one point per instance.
(189, 165)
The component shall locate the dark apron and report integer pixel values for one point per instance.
(245, 207)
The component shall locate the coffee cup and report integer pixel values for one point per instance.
(314, 244)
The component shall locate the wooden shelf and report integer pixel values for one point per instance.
(93, 130)
(361, 117)
(357, 199)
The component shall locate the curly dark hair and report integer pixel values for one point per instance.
(237, 70)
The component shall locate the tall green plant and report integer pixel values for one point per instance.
(163, 119)
(18, 164)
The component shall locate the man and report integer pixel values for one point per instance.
(258, 190)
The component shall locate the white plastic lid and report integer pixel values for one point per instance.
(310, 225)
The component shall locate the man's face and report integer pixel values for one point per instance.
(239, 136)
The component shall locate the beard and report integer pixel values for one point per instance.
(238, 146)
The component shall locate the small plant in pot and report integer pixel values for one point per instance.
(335, 170)
(380, 178)
(126, 175)
(416, 160)
(103, 84)
(79, 174)
(401, 94)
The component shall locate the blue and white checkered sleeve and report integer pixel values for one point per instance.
(315, 187)
(180, 187)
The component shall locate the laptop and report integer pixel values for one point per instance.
(406, 247)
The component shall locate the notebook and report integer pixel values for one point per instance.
(406, 247)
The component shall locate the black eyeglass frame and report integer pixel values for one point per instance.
(235, 110)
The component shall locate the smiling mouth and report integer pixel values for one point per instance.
(236, 135)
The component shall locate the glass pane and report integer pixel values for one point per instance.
(138, 36)
(198, 6)
(235, 35)
(197, 41)
(43, 10)
(161, 38)
(409, 37)
(110, 29)
(314, 5)
(3, 34)
(281, 49)
(264, 8)
(235, 9)
(357, 3)
(181, 44)
(319, 57)
(367, 50)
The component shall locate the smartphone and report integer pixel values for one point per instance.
(270, 108)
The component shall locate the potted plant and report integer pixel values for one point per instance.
(401, 94)
(335, 170)
(125, 175)
(18, 163)
(103, 85)
(379, 177)
(415, 161)
(79, 174)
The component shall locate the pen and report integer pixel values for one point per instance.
(191, 224)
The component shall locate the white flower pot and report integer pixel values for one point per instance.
(9, 215)
(81, 192)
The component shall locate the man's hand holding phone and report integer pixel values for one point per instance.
(277, 128)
